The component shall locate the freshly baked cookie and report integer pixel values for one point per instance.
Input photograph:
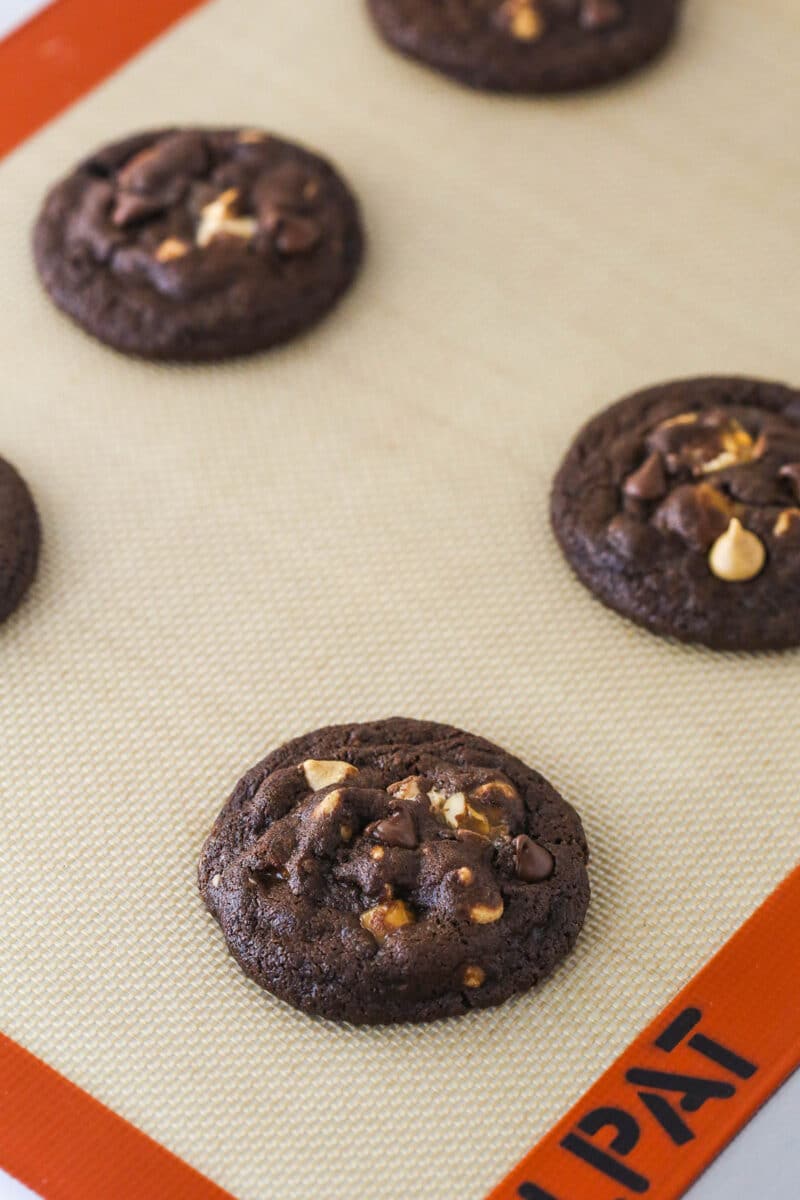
(198, 244)
(395, 871)
(19, 539)
(528, 45)
(680, 508)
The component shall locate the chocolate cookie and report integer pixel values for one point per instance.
(528, 45)
(19, 539)
(198, 244)
(680, 508)
(395, 871)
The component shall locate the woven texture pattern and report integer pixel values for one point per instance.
(355, 526)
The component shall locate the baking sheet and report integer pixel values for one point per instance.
(356, 525)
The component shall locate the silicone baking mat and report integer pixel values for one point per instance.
(357, 525)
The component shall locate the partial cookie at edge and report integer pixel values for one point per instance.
(19, 539)
(529, 45)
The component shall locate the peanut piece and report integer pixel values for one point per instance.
(473, 977)
(386, 918)
(322, 773)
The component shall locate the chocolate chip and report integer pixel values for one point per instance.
(532, 862)
(395, 830)
(297, 235)
(703, 448)
(713, 442)
(600, 14)
(269, 216)
(174, 155)
(671, 435)
(688, 438)
(131, 207)
(89, 223)
(649, 482)
(282, 188)
(791, 471)
(697, 513)
(630, 537)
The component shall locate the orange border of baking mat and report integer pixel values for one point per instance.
(688, 1084)
(648, 1127)
(60, 1141)
(64, 50)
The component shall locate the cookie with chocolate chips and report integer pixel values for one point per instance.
(395, 871)
(19, 539)
(528, 45)
(680, 508)
(198, 244)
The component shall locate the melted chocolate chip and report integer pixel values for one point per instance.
(630, 537)
(600, 14)
(649, 482)
(158, 167)
(697, 513)
(671, 435)
(791, 472)
(131, 207)
(168, 189)
(297, 235)
(282, 189)
(689, 440)
(532, 862)
(89, 224)
(395, 830)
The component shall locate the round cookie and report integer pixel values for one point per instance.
(679, 507)
(528, 45)
(19, 539)
(198, 244)
(395, 871)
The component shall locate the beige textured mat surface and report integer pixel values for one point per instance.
(356, 526)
